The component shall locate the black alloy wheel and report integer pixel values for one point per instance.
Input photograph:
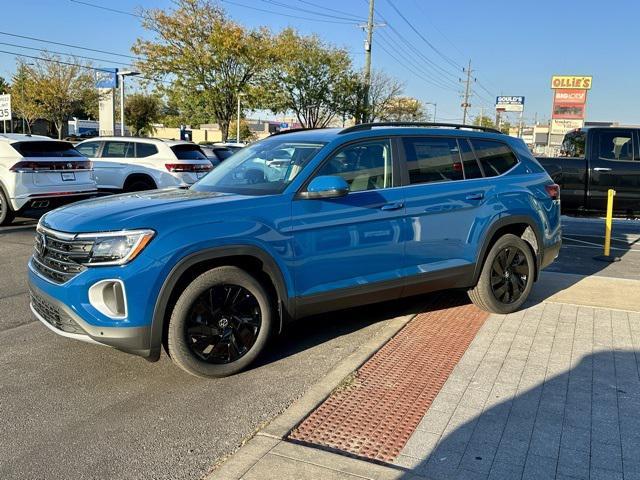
(509, 275)
(223, 324)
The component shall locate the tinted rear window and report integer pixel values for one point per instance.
(188, 152)
(223, 153)
(432, 159)
(145, 150)
(495, 157)
(46, 149)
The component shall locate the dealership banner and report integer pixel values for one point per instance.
(561, 126)
(582, 82)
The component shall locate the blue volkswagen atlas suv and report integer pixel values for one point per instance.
(299, 223)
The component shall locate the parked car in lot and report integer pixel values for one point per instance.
(216, 154)
(130, 164)
(365, 214)
(595, 160)
(38, 174)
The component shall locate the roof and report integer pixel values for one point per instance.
(330, 134)
(22, 137)
(144, 139)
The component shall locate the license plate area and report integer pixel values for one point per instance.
(68, 176)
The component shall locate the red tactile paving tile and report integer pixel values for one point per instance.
(374, 415)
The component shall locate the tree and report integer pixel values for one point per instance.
(404, 109)
(484, 121)
(141, 111)
(312, 79)
(246, 134)
(4, 86)
(61, 87)
(208, 58)
(382, 94)
(24, 98)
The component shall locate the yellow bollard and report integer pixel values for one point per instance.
(608, 222)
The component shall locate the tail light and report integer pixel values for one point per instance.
(553, 191)
(30, 166)
(188, 167)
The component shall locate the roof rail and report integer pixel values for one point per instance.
(458, 126)
(293, 130)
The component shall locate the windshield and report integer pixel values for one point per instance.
(263, 168)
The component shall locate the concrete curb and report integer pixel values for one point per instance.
(273, 433)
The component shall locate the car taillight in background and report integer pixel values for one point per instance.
(553, 191)
(188, 167)
(29, 166)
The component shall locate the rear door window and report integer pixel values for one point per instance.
(89, 149)
(46, 149)
(188, 152)
(469, 161)
(118, 150)
(616, 145)
(145, 150)
(432, 159)
(495, 157)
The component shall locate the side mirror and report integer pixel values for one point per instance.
(326, 186)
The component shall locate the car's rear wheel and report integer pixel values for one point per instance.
(220, 324)
(139, 184)
(6, 214)
(507, 276)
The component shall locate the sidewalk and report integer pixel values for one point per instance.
(552, 391)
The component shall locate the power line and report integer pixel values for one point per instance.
(417, 3)
(442, 55)
(51, 42)
(250, 7)
(113, 10)
(306, 2)
(44, 50)
(305, 10)
(440, 82)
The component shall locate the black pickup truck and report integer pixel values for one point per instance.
(593, 160)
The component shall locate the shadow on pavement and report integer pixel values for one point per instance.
(583, 423)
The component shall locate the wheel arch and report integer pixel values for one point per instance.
(133, 176)
(522, 226)
(251, 258)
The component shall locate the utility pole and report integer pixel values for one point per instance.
(367, 63)
(467, 93)
(481, 115)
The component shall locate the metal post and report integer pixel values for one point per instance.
(608, 226)
(367, 63)
(122, 105)
(465, 104)
(238, 125)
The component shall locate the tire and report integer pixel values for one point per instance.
(497, 292)
(139, 185)
(6, 214)
(205, 321)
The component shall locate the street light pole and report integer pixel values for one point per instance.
(435, 110)
(122, 74)
(238, 122)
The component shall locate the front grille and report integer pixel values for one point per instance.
(58, 256)
(53, 315)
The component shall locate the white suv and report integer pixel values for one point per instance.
(38, 174)
(132, 164)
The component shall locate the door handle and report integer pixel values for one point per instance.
(601, 169)
(475, 196)
(392, 206)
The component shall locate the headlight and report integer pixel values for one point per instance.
(115, 248)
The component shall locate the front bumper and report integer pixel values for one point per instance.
(65, 309)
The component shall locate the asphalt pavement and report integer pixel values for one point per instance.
(73, 410)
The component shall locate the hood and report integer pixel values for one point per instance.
(133, 210)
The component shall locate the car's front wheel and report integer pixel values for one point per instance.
(507, 276)
(220, 324)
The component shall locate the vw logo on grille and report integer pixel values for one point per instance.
(41, 245)
(69, 165)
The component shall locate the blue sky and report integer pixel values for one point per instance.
(514, 47)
